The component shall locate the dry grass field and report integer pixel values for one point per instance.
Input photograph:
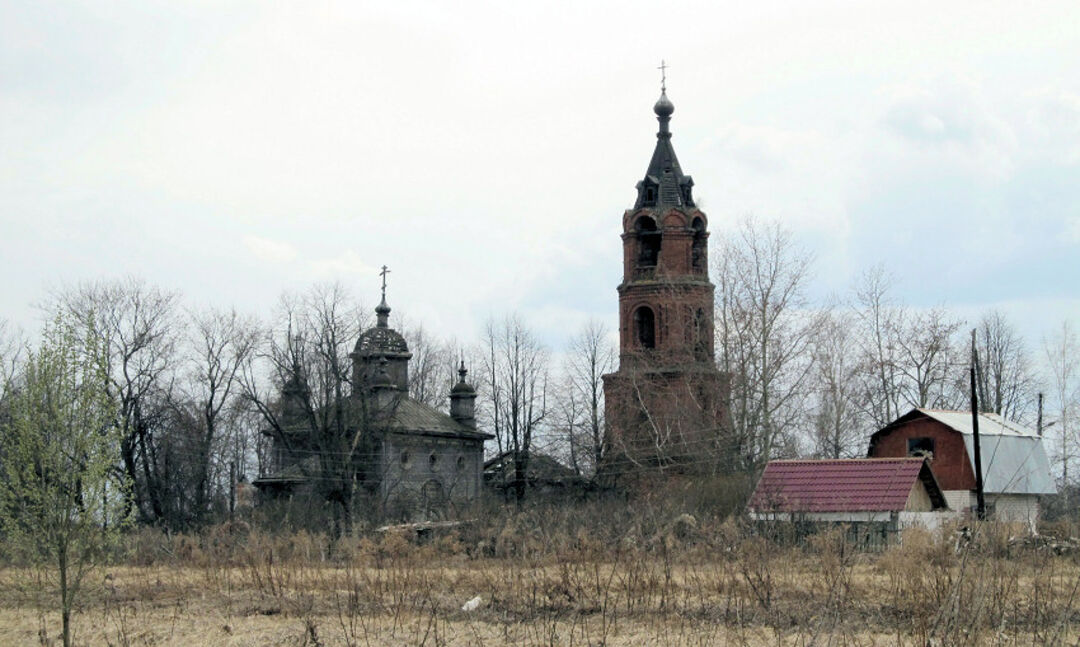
(676, 585)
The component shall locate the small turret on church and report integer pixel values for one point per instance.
(664, 404)
(463, 400)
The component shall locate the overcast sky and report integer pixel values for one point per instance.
(485, 151)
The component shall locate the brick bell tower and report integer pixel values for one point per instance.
(664, 404)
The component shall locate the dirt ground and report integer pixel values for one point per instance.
(758, 597)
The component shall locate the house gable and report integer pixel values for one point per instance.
(949, 460)
(1014, 459)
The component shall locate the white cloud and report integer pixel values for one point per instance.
(270, 251)
(347, 264)
(475, 155)
(956, 116)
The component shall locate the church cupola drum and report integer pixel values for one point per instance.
(664, 404)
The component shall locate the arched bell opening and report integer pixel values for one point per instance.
(698, 249)
(649, 239)
(645, 327)
(702, 331)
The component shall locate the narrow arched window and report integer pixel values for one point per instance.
(648, 242)
(645, 327)
(702, 331)
(698, 252)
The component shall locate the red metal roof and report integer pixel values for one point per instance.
(853, 485)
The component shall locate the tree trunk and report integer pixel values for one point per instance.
(65, 597)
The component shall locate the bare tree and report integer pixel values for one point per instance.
(138, 327)
(305, 393)
(838, 427)
(221, 345)
(427, 381)
(516, 370)
(567, 422)
(1005, 381)
(925, 362)
(590, 355)
(764, 333)
(1062, 351)
(879, 325)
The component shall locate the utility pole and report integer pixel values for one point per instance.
(980, 500)
(232, 490)
(1038, 424)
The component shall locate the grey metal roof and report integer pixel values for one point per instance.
(989, 423)
(411, 416)
(1013, 456)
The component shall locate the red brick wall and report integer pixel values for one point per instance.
(950, 463)
(664, 404)
(673, 290)
(661, 417)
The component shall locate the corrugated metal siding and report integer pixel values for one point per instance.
(1012, 464)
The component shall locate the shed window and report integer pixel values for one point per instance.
(920, 447)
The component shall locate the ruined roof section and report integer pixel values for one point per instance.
(852, 485)
(542, 469)
(664, 185)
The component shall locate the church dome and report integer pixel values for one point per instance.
(463, 387)
(381, 341)
(664, 107)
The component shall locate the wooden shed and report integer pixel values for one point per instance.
(1016, 470)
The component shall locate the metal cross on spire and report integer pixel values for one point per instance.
(663, 75)
(383, 274)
